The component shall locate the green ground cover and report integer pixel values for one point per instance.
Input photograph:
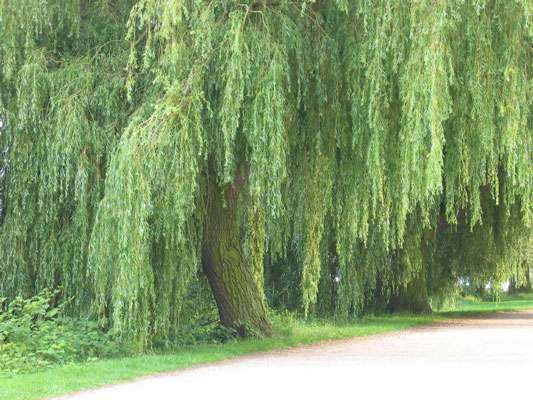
(292, 331)
(514, 302)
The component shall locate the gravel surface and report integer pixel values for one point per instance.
(489, 356)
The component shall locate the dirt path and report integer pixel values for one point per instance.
(488, 356)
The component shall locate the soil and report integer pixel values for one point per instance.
(488, 356)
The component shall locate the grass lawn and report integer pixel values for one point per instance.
(292, 332)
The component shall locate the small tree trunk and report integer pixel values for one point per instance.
(412, 297)
(524, 286)
(235, 288)
(529, 288)
(518, 285)
(513, 289)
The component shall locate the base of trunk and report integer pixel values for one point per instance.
(412, 297)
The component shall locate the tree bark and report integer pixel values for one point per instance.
(412, 297)
(239, 300)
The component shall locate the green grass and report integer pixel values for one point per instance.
(292, 332)
(515, 302)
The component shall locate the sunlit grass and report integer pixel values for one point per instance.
(292, 331)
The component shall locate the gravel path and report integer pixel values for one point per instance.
(484, 357)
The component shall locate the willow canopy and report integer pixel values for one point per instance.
(367, 144)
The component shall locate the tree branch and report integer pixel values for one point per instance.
(444, 224)
(144, 34)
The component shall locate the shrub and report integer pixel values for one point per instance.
(472, 299)
(35, 334)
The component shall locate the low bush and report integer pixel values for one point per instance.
(471, 299)
(36, 334)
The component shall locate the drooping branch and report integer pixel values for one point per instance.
(445, 224)
(144, 34)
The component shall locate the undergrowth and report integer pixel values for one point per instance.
(35, 333)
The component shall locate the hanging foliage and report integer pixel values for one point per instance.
(340, 136)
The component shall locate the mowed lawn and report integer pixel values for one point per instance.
(291, 332)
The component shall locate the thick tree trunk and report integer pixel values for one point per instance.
(239, 300)
(412, 297)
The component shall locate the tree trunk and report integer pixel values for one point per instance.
(512, 286)
(518, 285)
(529, 288)
(239, 300)
(412, 297)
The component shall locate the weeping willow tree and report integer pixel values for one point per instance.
(62, 107)
(145, 140)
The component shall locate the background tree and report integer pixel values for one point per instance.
(520, 279)
(312, 139)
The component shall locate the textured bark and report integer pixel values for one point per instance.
(234, 285)
(412, 297)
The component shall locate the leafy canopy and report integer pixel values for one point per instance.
(362, 124)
